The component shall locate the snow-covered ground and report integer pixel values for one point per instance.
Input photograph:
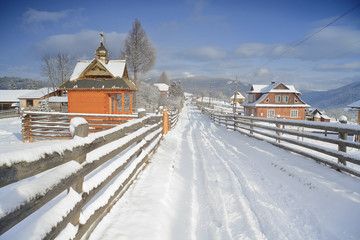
(206, 182)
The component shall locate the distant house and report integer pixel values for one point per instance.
(31, 100)
(276, 99)
(317, 116)
(239, 97)
(100, 85)
(164, 90)
(356, 106)
(10, 98)
(163, 85)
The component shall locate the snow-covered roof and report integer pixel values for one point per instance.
(115, 67)
(37, 93)
(317, 115)
(58, 99)
(272, 88)
(355, 104)
(162, 87)
(79, 68)
(238, 96)
(12, 95)
(325, 116)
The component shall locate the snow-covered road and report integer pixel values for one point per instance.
(206, 182)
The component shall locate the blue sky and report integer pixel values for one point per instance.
(193, 37)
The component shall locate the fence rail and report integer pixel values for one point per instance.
(9, 113)
(173, 118)
(304, 134)
(86, 172)
(56, 125)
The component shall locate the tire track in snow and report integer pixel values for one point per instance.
(260, 199)
(222, 191)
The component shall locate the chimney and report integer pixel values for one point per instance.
(272, 82)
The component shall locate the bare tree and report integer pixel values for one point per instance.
(138, 50)
(57, 68)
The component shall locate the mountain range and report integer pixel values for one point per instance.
(334, 98)
(20, 83)
(225, 88)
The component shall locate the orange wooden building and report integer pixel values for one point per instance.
(100, 85)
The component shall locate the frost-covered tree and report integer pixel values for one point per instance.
(176, 95)
(57, 68)
(44, 106)
(148, 96)
(139, 52)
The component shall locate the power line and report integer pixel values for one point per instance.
(305, 39)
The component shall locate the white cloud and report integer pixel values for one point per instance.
(247, 50)
(346, 67)
(82, 44)
(205, 53)
(35, 16)
(335, 42)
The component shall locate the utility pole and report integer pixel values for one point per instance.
(235, 96)
(210, 94)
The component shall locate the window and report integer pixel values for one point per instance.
(123, 102)
(294, 113)
(251, 98)
(270, 113)
(267, 100)
(119, 103)
(278, 99)
(127, 102)
(285, 99)
(296, 101)
(29, 103)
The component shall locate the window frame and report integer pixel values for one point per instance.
(292, 111)
(285, 99)
(277, 98)
(270, 115)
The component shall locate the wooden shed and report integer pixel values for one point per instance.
(100, 85)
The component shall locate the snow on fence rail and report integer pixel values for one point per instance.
(55, 125)
(300, 137)
(76, 180)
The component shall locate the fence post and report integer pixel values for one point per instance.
(25, 126)
(343, 136)
(79, 127)
(165, 121)
(234, 122)
(251, 126)
(278, 125)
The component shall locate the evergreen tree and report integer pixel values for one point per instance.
(164, 79)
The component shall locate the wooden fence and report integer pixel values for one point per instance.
(304, 134)
(87, 173)
(56, 125)
(9, 113)
(173, 118)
